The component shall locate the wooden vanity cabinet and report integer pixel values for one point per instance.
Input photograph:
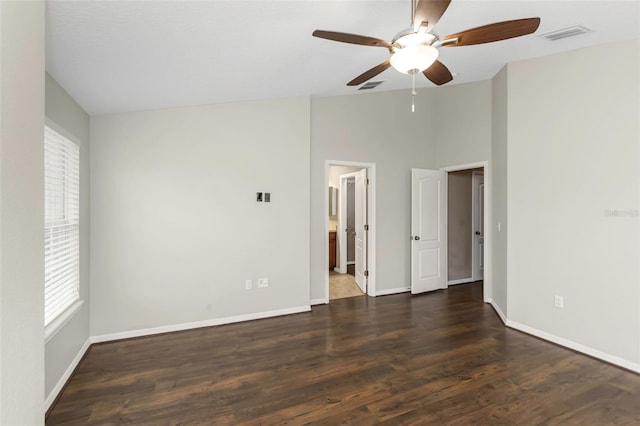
(332, 249)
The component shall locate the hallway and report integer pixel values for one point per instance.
(343, 285)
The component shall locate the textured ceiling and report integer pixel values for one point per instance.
(115, 56)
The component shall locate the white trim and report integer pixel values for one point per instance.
(325, 238)
(460, 281)
(393, 291)
(66, 376)
(59, 322)
(488, 230)
(342, 218)
(59, 129)
(496, 308)
(475, 207)
(371, 212)
(629, 365)
(319, 302)
(337, 270)
(197, 324)
(467, 166)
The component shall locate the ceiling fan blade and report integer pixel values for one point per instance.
(429, 11)
(493, 32)
(351, 38)
(369, 74)
(438, 73)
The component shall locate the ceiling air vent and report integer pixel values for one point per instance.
(370, 85)
(565, 32)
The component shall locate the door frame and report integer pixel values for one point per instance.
(342, 217)
(475, 206)
(371, 219)
(488, 230)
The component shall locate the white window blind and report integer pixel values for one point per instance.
(61, 224)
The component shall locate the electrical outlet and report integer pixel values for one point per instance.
(559, 300)
(248, 284)
(263, 282)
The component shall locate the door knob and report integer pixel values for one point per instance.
(416, 238)
(477, 232)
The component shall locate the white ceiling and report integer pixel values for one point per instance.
(115, 56)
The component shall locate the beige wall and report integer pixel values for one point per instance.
(573, 155)
(463, 123)
(372, 128)
(459, 232)
(70, 120)
(175, 227)
(22, 56)
(499, 214)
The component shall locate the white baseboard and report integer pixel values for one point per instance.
(67, 374)
(392, 291)
(319, 302)
(339, 270)
(635, 367)
(197, 324)
(460, 281)
(496, 308)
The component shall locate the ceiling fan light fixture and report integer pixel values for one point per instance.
(413, 59)
(409, 38)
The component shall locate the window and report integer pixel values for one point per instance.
(61, 224)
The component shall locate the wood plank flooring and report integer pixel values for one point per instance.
(438, 358)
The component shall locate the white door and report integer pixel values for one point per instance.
(477, 261)
(428, 230)
(361, 233)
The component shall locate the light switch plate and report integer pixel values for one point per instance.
(559, 302)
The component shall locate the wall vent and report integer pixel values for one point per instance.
(565, 32)
(370, 85)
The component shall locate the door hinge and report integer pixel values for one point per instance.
(366, 227)
(366, 273)
(367, 181)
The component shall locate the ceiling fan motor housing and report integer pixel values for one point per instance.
(410, 37)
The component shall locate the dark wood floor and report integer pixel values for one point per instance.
(437, 358)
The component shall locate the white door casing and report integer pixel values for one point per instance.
(343, 226)
(361, 233)
(477, 259)
(428, 230)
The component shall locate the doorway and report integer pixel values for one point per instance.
(484, 217)
(465, 230)
(430, 226)
(350, 223)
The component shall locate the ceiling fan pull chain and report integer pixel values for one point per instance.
(413, 93)
(413, 12)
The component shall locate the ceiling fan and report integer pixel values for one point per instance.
(415, 49)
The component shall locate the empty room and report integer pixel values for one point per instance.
(318, 211)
